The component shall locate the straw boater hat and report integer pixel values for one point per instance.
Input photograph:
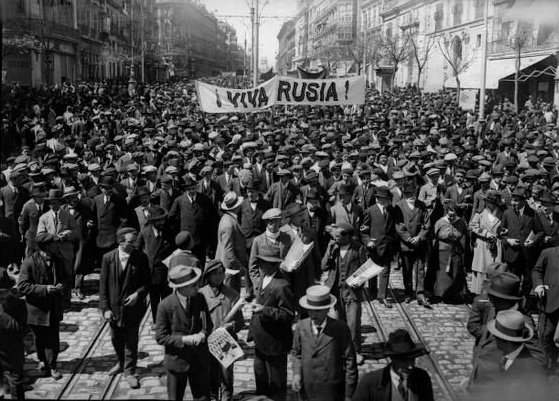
(317, 297)
(182, 276)
(510, 325)
(231, 201)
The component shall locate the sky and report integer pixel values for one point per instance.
(269, 27)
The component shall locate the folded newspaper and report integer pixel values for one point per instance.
(224, 348)
(296, 255)
(367, 271)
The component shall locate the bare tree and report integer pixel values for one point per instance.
(518, 42)
(452, 51)
(421, 54)
(396, 49)
(365, 52)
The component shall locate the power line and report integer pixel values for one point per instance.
(248, 16)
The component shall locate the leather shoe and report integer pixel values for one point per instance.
(407, 299)
(359, 359)
(115, 370)
(421, 300)
(55, 374)
(133, 381)
(41, 367)
(386, 302)
(80, 295)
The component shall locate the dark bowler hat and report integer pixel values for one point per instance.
(253, 185)
(189, 182)
(107, 181)
(520, 192)
(184, 240)
(383, 192)
(493, 197)
(504, 285)
(345, 189)
(293, 208)
(143, 190)
(401, 345)
(157, 214)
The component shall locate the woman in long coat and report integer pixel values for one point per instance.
(450, 234)
(487, 250)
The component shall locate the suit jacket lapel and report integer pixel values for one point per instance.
(324, 338)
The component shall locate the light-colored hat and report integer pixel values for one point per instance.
(510, 325)
(70, 191)
(182, 276)
(273, 213)
(231, 201)
(317, 297)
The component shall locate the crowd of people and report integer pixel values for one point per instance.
(191, 208)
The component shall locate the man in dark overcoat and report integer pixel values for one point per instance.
(123, 286)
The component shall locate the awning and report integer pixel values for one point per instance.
(496, 70)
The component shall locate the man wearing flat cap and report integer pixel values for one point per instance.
(401, 379)
(284, 192)
(123, 286)
(324, 367)
(182, 327)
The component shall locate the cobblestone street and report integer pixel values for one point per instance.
(443, 329)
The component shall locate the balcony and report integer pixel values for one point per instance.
(52, 28)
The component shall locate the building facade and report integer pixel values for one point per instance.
(286, 49)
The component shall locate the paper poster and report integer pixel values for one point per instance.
(296, 255)
(367, 271)
(224, 348)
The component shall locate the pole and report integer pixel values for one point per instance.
(483, 62)
(252, 43)
(364, 62)
(256, 44)
(142, 57)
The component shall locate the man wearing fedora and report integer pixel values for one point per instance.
(144, 209)
(13, 328)
(401, 379)
(62, 225)
(110, 212)
(379, 235)
(412, 226)
(220, 299)
(195, 214)
(508, 367)
(545, 277)
(42, 281)
(182, 326)
(29, 218)
(345, 211)
(324, 366)
(518, 253)
(123, 286)
(343, 257)
(231, 242)
(284, 192)
(545, 222)
(154, 241)
(270, 329)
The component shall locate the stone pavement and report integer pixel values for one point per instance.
(443, 328)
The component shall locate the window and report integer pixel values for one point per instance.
(544, 32)
(479, 8)
(457, 11)
(439, 13)
(478, 40)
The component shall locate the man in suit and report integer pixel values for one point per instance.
(109, 213)
(401, 380)
(143, 211)
(12, 198)
(411, 223)
(380, 237)
(342, 258)
(317, 219)
(272, 242)
(183, 254)
(545, 277)
(270, 329)
(545, 222)
(154, 241)
(267, 178)
(517, 251)
(195, 214)
(231, 242)
(364, 194)
(168, 193)
(284, 192)
(123, 286)
(459, 193)
(13, 328)
(61, 224)
(182, 327)
(29, 218)
(345, 211)
(227, 179)
(131, 182)
(505, 155)
(41, 281)
(324, 367)
(507, 367)
(209, 187)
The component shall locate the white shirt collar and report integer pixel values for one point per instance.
(395, 377)
(512, 356)
(321, 326)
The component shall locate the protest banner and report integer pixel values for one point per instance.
(224, 348)
(366, 271)
(281, 90)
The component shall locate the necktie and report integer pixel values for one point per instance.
(318, 331)
(402, 387)
(56, 221)
(503, 363)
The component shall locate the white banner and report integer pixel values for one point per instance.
(281, 90)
